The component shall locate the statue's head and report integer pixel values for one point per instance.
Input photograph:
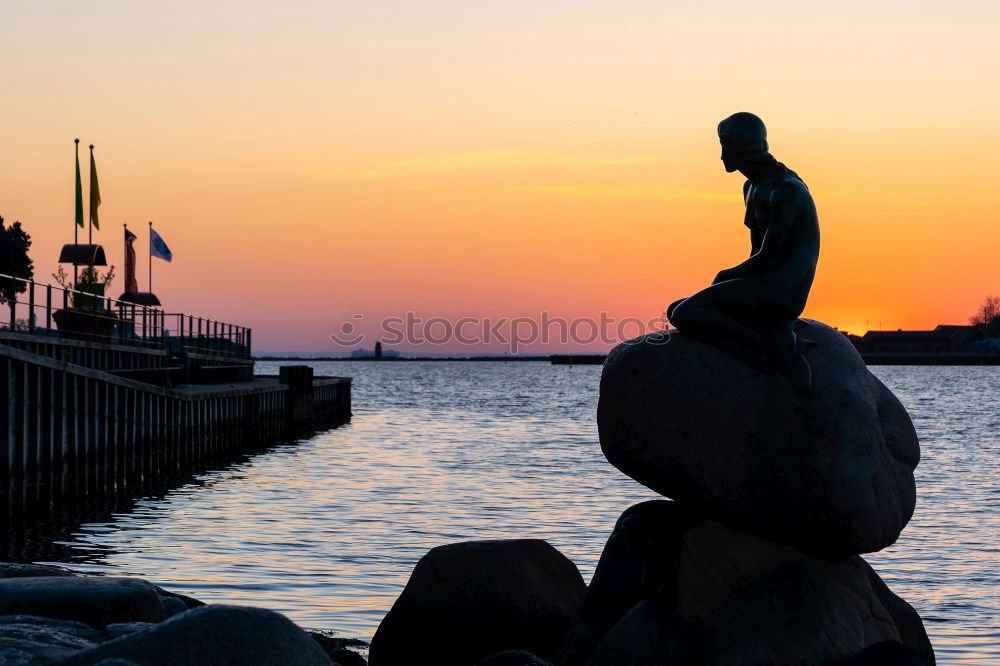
(744, 139)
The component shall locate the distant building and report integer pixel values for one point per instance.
(942, 339)
(968, 332)
(378, 352)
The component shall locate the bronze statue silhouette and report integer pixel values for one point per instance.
(752, 309)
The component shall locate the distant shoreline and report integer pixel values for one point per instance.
(404, 358)
(597, 359)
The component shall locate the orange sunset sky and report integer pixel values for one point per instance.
(308, 161)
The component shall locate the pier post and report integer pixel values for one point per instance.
(299, 397)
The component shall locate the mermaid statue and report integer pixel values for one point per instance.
(752, 309)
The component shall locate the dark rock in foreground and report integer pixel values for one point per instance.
(118, 623)
(513, 658)
(25, 639)
(831, 472)
(218, 635)
(97, 601)
(24, 570)
(488, 596)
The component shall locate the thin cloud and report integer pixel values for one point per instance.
(665, 193)
(508, 158)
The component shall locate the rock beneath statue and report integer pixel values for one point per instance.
(911, 629)
(830, 472)
(212, 635)
(672, 583)
(803, 612)
(488, 597)
(648, 635)
(886, 653)
(639, 562)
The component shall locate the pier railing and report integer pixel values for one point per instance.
(49, 310)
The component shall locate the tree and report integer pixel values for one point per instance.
(14, 261)
(987, 320)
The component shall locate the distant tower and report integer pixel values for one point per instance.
(378, 351)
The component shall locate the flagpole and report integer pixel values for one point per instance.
(90, 217)
(76, 227)
(151, 256)
(76, 232)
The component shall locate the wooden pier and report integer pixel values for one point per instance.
(107, 413)
(577, 359)
(70, 430)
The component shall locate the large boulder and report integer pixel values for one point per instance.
(886, 653)
(676, 587)
(96, 601)
(639, 562)
(486, 597)
(216, 635)
(650, 634)
(911, 628)
(830, 472)
(802, 612)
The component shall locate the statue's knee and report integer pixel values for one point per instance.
(673, 307)
(678, 314)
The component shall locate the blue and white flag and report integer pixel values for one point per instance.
(157, 247)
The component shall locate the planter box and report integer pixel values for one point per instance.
(96, 326)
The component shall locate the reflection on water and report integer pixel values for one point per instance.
(327, 530)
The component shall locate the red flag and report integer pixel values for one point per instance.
(131, 286)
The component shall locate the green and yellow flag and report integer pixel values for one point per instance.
(79, 188)
(95, 191)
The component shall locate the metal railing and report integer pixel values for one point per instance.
(45, 309)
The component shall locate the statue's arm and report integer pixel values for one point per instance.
(784, 209)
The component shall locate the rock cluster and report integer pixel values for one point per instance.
(755, 559)
(51, 616)
(676, 587)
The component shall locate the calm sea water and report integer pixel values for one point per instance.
(327, 530)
